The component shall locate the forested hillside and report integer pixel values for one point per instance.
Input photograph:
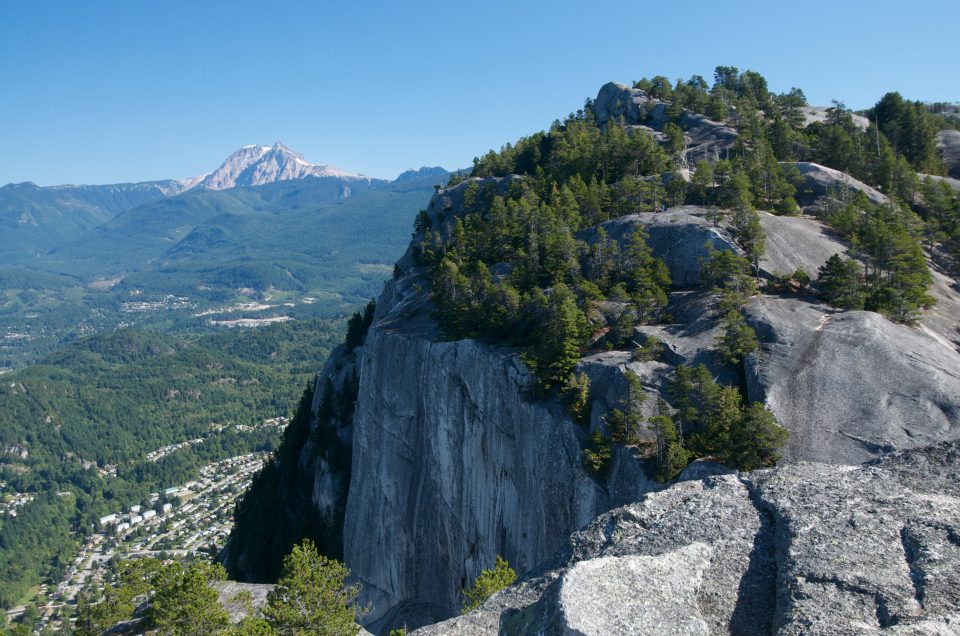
(76, 429)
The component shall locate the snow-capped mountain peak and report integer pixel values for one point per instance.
(256, 165)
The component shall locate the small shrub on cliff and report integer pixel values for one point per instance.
(597, 454)
(487, 584)
(359, 324)
(577, 396)
(651, 350)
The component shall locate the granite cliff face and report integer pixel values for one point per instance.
(455, 463)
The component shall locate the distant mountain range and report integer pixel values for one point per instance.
(36, 221)
(265, 223)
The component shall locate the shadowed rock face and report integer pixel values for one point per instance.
(802, 549)
(949, 142)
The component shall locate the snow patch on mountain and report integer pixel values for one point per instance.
(256, 165)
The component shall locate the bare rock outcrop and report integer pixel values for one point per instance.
(819, 114)
(949, 143)
(678, 236)
(851, 385)
(822, 184)
(705, 139)
(954, 184)
(794, 243)
(811, 549)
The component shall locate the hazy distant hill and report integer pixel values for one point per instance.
(286, 235)
(320, 245)
(34, 220)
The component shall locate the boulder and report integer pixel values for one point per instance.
(599, 597)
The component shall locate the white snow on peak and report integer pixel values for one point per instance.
(255, 165)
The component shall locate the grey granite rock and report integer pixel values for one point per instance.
(678, 236)
(796, 243)
(813, 114)
(229, 595)
(953, 183)
(821, 185)
(949, 143)
(597, 597)
(458, 465)
(851, 385)
(705, 139)
(810, 549)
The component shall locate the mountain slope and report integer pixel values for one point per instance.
(36, 220)
(86, 419)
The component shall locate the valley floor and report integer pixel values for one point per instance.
(198, 524)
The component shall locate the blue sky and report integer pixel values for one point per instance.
(106, 92)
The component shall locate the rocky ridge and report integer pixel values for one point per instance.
(705, 139)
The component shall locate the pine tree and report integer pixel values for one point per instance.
(184, 603)
(556, 350)
(702, 183)
(839, 283)
(312, 596)
(755, 439)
